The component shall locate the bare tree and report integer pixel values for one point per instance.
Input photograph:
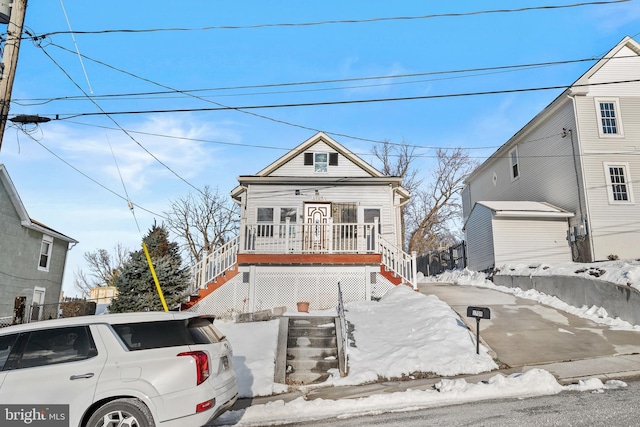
(435, 208)
(103, 269)
(203, 222)
(397, 160)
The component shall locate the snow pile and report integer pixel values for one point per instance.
(621, 272)
(403, 333)
(407, 332)
(535, 382)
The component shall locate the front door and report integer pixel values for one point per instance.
(316, 216)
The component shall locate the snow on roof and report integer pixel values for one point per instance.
(524, 208)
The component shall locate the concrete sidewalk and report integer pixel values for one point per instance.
(523, 335)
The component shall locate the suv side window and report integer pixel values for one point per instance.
(59, 345)
(7, 343)
(148, 335)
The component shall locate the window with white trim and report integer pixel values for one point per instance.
(515, 163)
(265, 222)
(291, 214)
(609, 120)
(618, 183)
(45, 253)
(321, 161)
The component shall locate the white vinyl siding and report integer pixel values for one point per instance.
(284, 196)
(296, 167)
(530, 240)
(624, 67)
(546, 154)
(479, 237)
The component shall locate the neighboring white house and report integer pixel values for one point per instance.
(580, 154)
(32, 261)
(316, 217)
(515, 232)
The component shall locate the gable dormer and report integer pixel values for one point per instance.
(320, 156)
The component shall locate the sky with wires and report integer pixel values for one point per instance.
(153, 100)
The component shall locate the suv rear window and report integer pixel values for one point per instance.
(148, 335)
(6, 345)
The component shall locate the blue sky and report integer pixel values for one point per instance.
(225, 144)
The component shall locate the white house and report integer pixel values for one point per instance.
(516, 232)
(316, 217)
(579, 154)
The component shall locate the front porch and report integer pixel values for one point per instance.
(304, 255)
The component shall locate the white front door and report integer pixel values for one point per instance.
(37, 307)
(316, 216)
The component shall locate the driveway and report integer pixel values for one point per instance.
(524, 332)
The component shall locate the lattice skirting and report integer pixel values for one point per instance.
(262, 288)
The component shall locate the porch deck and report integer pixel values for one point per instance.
(317, 243)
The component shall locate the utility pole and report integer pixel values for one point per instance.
(10, 60)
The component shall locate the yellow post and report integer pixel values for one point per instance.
(155, 278)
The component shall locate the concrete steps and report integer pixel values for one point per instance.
(312, 349)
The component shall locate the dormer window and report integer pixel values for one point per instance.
(321, 161)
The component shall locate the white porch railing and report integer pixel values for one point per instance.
(399, 262)
(329, 237)
(321, 238)
(214, 264)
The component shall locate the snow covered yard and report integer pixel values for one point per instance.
(404, 334)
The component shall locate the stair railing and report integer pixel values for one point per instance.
(214, 264)
(343, 356)
(398, 261)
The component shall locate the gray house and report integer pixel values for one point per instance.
(32, 260)
(580, 155)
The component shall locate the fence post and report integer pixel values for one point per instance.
(414, 271)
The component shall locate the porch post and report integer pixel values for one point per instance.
(286, 234)
(252, 289)
(367, 283)
(330, 234)
(375, 235)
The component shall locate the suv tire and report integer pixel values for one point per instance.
(122, 413)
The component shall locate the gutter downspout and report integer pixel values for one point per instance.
(582, 190)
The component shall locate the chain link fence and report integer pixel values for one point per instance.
(70, 307)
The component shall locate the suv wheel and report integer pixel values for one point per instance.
(122, 413)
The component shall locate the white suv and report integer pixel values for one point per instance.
(134, 369)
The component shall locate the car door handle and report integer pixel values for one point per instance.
(82, 376)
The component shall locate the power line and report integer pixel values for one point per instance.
(118, 125)
(314, 82)
(326, 103)
(334, 22)
(269, 147)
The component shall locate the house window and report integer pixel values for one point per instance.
(45, 253)
(608, 111)
(370, 216)
(346, 214)
(265, 216)
(515, 163)
(320, 162)
(292, 214)
(619, 182)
